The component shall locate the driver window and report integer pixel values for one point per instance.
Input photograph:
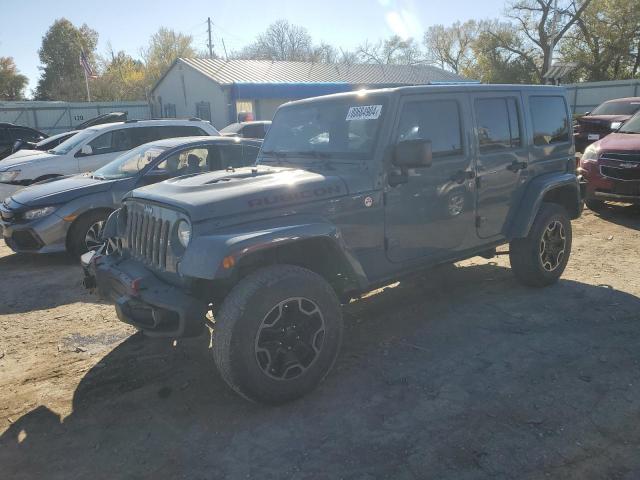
(186, 162)
(435, 120)
(113, 141)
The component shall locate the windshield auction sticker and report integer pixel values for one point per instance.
(364, 112)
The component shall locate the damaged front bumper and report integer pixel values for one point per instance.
(142, 299)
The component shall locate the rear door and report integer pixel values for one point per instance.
(502, 157)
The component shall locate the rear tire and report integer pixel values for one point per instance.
(540, 258)
(277, 334)
(84, 234)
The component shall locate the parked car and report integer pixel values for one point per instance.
(43, 145)
(111, 117)
(93, 148)
(256, 129)
(348, 194)
(10, 134)
(604, 119)
(610, 168)
(68, 213)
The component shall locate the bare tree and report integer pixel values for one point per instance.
(451, 47)
(281, 41)
(392, 51)
(543, 24)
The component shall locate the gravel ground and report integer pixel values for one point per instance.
(459, 374)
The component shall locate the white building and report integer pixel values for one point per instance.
(219, 90)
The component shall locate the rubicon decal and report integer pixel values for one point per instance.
(288, 197)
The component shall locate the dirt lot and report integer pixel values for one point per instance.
(461, 375)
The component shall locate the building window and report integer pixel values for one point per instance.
(203, 111)
(244, 111)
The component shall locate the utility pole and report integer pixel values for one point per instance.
(210, 44)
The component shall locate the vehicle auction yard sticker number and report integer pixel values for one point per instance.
(364, 112)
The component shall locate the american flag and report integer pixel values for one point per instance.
(86, 65)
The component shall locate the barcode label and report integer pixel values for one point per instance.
(365, 112)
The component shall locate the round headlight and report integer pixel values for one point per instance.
(184, 233)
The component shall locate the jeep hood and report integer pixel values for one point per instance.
(60, 190)
(245, 190)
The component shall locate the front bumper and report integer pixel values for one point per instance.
(142, 299)
(595, 186)
(45, 235)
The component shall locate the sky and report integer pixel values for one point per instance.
(127, 25)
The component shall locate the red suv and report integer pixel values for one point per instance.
(606, 117)
(610, 168)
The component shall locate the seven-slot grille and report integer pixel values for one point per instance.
(148, 234)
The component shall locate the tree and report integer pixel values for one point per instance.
(392, 51)
(62, 75)
(543, 24)
(605, 43)
(281, 41)
(12, 82)
(451, 47)
(165, 46)
(121, 78)
(494, 55)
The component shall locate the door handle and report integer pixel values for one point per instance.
(462, 175)
(516, 166)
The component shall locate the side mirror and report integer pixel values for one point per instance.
(413, 153)
(86, 150)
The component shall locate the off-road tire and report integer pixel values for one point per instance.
(76, 236)
(594, 205)
(242, 315)
(525, 253)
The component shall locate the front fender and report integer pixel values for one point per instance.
(205, 254)
(538, 188)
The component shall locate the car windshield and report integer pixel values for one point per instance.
(617, 108)
(345, 127)
(130, 163)
(632, 125)
(71, 143)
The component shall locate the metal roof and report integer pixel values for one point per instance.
(227, 72)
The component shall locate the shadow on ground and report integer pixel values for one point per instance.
(39, 282)
(460, 374)
(624, 215)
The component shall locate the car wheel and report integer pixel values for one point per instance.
(540, 258)
(85, 233)
(594, 205)
(277, 334)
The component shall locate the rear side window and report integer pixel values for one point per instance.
(434, 120)
(140, 135)
(498, 124)
(550, 121)
(173, 131)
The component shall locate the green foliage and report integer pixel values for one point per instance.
(62, 75)
(121, 78)
(164, 48)
(606, 41)
(12, 83)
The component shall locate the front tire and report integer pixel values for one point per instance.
(84, 234)
(277, 334)
(540, 258)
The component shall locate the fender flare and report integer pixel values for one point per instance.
(533, 197)
(204, 256)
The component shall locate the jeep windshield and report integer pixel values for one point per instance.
(344, 128)
(130, 163)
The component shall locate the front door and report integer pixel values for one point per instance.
(502, 157)
(431, 211)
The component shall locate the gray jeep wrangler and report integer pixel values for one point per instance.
(349, 192)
